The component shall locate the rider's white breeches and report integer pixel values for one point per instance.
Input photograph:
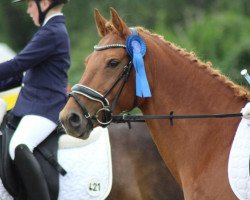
(32, 130)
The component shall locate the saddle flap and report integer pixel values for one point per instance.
(48, 148)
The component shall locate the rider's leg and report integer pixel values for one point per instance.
(31, 131)
(31, 174)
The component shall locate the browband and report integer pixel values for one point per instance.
(108, 46)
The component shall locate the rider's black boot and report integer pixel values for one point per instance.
(31, 174)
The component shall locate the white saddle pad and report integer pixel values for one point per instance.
(238, 166)
(89, 168)
(88, 165)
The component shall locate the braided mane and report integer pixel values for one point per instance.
(238, 90)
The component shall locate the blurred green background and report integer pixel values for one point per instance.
(216, 30)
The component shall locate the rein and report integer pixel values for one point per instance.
(127, 118)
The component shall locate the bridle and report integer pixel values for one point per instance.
(93, 95)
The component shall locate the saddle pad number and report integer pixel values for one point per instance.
(94, 187)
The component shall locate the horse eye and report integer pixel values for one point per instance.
(113, 63)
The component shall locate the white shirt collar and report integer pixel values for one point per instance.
(48, 18)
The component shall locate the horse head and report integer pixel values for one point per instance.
(108, 84)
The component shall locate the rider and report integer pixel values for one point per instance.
(45, 61)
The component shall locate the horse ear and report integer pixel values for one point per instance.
(119, 24)
(100, 23)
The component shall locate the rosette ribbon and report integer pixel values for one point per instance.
(136, 48)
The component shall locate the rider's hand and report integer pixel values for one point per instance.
(246, 111)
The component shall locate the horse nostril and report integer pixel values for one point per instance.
(74, 120)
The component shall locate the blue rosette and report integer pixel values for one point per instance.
(136, 48)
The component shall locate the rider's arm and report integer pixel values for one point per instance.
(37, 50)
(11, 82)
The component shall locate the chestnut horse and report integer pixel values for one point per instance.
(195, 151)
(138, 170)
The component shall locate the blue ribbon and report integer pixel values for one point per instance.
(136, 48)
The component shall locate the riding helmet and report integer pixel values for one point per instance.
(42, 14)
(57, 1)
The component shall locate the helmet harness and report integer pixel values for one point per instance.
(42, 14)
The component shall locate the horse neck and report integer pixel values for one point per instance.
(179, 79)
(181, 83)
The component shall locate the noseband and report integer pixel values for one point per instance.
(93, 95)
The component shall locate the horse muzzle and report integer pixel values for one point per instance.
(75, 124)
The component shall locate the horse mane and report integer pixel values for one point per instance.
(109, 26)
(238, 90)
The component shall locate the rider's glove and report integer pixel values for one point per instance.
(246, 111)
